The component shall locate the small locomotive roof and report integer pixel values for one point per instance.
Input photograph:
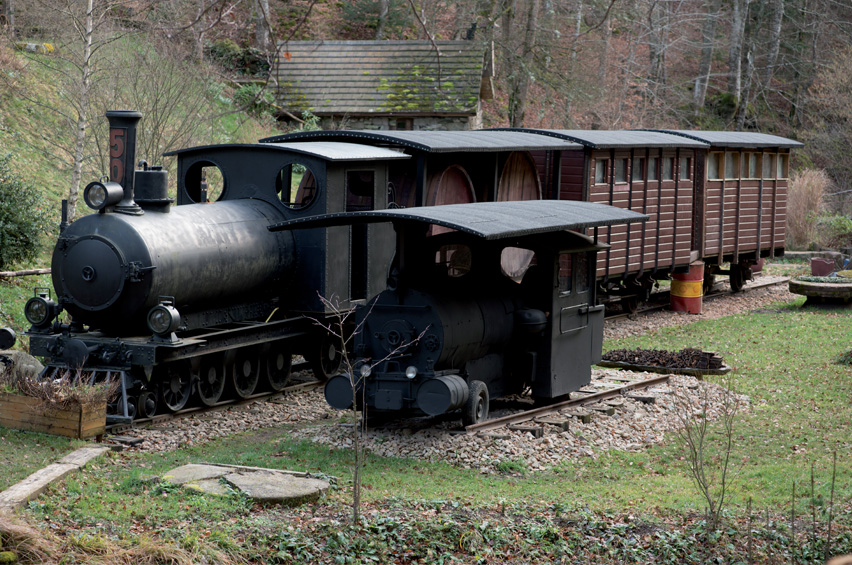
(614, 139)
(328, 150)
(488, 220)
(439, 141)
(737, 139)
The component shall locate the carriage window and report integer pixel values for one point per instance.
(360, 186)
(204, 182)
(296, 185)
(621, 170)
(782, 166)
(563, 277)
(732, 168)
(453, 259)
(685, 168)
(713, 169)
(652, 168)
(768, 166)
(749, 165)
(601, 171)
(638, 169)
(668, 168)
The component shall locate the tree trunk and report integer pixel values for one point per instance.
(9, 12)
(708, 34)
(658, 24)
(261, 25)
(384, 8)
(507, 9)
(523, 75)
(735, 53)
(774, 40)
(82, 111)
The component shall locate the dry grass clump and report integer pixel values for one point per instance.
(804, 200)
(19, 375)
(32, 546)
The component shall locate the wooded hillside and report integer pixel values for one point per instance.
(775, 66)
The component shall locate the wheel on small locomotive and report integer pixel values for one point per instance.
(476, 408)
(175, 384)
(245, 372)
(326, 359)
(209, 375)
(147, 402)
(276, 364)
(630, 304)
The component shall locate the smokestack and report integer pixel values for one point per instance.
(122, 156)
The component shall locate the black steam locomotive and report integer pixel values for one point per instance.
(503, 302)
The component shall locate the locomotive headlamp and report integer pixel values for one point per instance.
(99, 195)
(40, 310)
(411, 371)
(163, 319)
(366, 370)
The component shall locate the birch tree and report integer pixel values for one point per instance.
(708, 37)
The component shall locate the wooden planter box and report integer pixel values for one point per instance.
(33, 415)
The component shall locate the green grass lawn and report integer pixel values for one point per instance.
(783, 358)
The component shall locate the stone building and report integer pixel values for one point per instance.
(383, 85)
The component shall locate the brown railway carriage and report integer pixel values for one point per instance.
(740, 200)
(648, 172)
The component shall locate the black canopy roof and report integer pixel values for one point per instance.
(488, 220)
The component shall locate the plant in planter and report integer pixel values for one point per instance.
(65, 406)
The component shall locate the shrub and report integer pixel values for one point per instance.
(23, 217)
(255, 99)
(835, 231)
(804, 198)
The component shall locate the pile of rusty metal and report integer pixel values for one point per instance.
(685, 358)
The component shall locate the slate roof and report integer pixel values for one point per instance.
(615, 139)
(327, 150)
(736, 138)
(488, 220)
(379, 77)
(438, 141)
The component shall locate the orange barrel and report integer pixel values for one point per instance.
(687, 289)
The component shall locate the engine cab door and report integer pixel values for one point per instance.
(576, 331)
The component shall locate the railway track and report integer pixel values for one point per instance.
(584, 397)
(660, 300)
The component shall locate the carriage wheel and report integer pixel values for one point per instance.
(277, 364)
(630, 304)
(175, 386)
(476, 408)
(210, 376)
(739, 274)
(245, 372)
(327, 359)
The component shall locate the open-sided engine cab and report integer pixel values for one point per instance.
(501, 300)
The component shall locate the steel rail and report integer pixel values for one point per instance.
(550, 409)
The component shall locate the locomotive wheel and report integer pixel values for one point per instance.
(147, 403)
(211, 379)
(326, 362)
(476, 408)
(245, 372)
(277, 364)
(630, 304)
(175, 386)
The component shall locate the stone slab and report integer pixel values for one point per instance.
(208, 486)
(193, 473)
(277, 488)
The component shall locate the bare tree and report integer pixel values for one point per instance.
(708, 36)
(261, 25)
(739, 14)
(9, 15)
(523, 71)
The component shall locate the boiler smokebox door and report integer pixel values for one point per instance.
(92, 273)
